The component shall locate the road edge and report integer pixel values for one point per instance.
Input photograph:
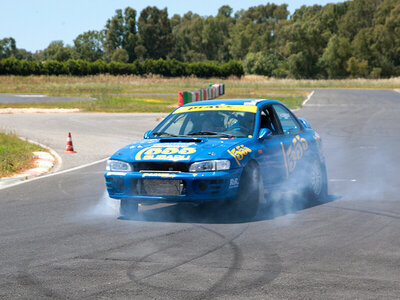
(54, 174)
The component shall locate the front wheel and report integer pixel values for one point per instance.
(128, 208)
(245, 204)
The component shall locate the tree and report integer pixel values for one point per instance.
(360, 14)
(357, 68)
(335, 56)
(57, 51)
(7, 48)
(215, 41)
(89, 45)
(188, 38)
(129, 38)
(120, 55)
(114, 33)
(155, 33)
(121, 33)
(225, 11)
(23, 54)
(244, 39)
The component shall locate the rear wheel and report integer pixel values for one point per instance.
(316, 189)
(128, 208)
(245, 204)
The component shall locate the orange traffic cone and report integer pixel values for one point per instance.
(69, 148)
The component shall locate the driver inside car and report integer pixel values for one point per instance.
(213, 123)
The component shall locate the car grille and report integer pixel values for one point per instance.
(160, 187)
(162, 166)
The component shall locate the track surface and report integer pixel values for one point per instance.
(37, 98)
(95, 136)
(61, 237)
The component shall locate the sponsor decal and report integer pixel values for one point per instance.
(294, 153)
(168, 153)
(162, 175)
(285, 116)
(247, 108)
(253, 102)
(239, 153)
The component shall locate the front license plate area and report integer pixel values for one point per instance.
(160, 187)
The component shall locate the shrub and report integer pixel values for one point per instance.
(167, 68)
(53, 67)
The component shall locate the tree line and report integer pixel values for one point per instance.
(359, 38)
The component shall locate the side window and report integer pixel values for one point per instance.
(288, 123)
(266, 121)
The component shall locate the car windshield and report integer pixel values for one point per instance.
(207, 123)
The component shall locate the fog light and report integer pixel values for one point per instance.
(202, 186)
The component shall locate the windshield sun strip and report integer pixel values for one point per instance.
(239, 108)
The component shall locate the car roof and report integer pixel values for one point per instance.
(250, 101)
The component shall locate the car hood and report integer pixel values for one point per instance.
(178, 149)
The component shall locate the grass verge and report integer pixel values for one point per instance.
(15, 154)
(157, 94)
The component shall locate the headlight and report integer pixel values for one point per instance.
(117, 165)
(210, 165)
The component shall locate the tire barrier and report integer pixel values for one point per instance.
(211, 92)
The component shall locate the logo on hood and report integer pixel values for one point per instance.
(172, 151)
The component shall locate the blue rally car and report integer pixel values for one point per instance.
(235, 152)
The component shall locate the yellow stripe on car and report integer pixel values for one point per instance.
(246, 108)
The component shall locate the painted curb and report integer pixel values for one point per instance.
(44, 162)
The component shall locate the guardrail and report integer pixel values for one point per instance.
(211, 92)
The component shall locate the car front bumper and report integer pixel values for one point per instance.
(193, 187)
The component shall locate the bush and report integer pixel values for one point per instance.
(10, 66)
(53, 67)
(118, 68)
(98, 67)
(232, 67)
(375, 73)
(167, 68)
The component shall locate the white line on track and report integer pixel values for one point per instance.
(308, 98)
(54, 174)
(31, 96)
(342, 180)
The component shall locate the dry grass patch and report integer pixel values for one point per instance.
(15, 154)
(159, 94)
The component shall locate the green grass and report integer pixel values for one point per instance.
(15, 154)
(157, 94)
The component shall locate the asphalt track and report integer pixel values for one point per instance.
(38, 98)
(61, 236)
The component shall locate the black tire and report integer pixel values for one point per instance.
(316, 190)
(245, 204)
(128, 208)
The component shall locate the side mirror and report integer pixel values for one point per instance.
(264, 132)
(305, 123)
(147, 134)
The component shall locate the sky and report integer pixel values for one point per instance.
(36, 23)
